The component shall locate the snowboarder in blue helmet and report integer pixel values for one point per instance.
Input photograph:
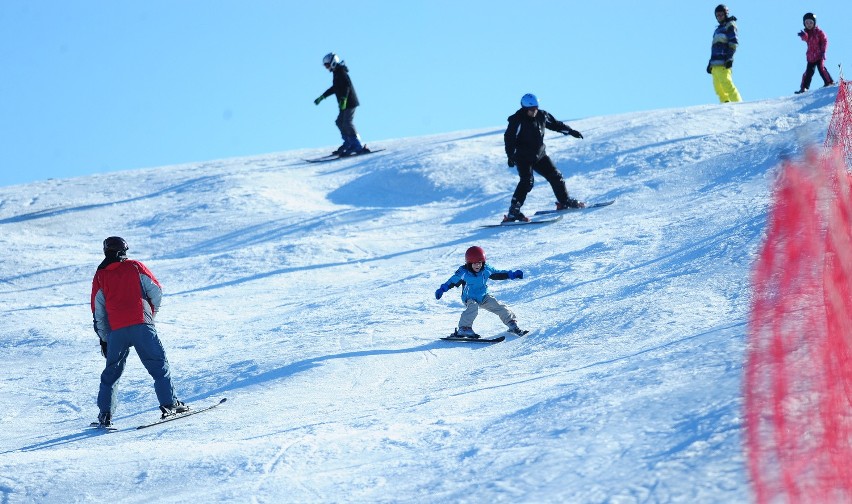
(473, 277)
(347, 102)
(524, 139)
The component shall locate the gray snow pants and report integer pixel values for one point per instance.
(471, 310)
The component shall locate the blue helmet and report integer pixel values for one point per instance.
(529, 100)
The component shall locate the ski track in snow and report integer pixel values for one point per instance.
(304, 294)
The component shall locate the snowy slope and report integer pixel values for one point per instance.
(304, 294)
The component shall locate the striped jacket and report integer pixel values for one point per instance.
(724, 42)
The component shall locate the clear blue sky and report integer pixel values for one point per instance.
(99, 86)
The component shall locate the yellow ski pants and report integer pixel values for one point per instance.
(723, 84)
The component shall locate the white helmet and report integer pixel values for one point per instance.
(529, 100)
(331, 60)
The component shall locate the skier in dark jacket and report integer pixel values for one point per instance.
(347, 102)
(524, 139)
(125, 299)
(817, 46)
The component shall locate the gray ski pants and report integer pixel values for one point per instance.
(472, 307)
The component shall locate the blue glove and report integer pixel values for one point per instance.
(441, 290)
(516, 274)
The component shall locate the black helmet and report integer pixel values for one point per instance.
(722, 8)
(809, 15)
(116, 245)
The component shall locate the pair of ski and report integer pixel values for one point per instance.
(549, 216)
(335, 157)
(477, 338)
(169, 418)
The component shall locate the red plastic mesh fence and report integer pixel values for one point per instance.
(798, 383)
(840, 128)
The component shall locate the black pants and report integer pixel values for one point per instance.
(546, 169)
(809, 74)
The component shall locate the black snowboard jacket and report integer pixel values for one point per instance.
(524, 137)
(341, 86)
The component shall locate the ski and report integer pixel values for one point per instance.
(181, 415)
(105, 428)
(587, 207)
(547, 220)
(335, 157)
(496, 339)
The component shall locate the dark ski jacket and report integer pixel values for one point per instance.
(341, 86)
(724, 42)
(524, 137)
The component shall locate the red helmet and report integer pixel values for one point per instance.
(474, 254)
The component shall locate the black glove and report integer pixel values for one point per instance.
(574, 133)
(709, 68)
(729, 63)
(511, 161)
(801, 34)
(103, 347)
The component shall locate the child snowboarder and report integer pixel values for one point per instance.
(347, 102)
(473, 278)
(817, 45)
(524, 142)
(722, 55)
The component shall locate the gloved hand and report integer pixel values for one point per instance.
(318, 100)
(441, 290)
(709, 68)
(516, 274)
(802, 35)
(729, 63)
(343, 103)
(574, 133)
(511, 161)
(103, 347)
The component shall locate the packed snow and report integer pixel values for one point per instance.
(304, 293)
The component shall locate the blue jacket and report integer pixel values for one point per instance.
(475, 284)
(724, 42)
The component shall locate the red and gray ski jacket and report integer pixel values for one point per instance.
(124, 293)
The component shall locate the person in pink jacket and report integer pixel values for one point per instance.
(817, 45)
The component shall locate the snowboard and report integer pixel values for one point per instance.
(335, 157)
(546, 220)
(178, 416)
(587, 207)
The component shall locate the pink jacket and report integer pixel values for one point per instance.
(817, 43)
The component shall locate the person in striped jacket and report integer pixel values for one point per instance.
(722, 55)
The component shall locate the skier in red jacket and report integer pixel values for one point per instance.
(817, 46)
(125, 299)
